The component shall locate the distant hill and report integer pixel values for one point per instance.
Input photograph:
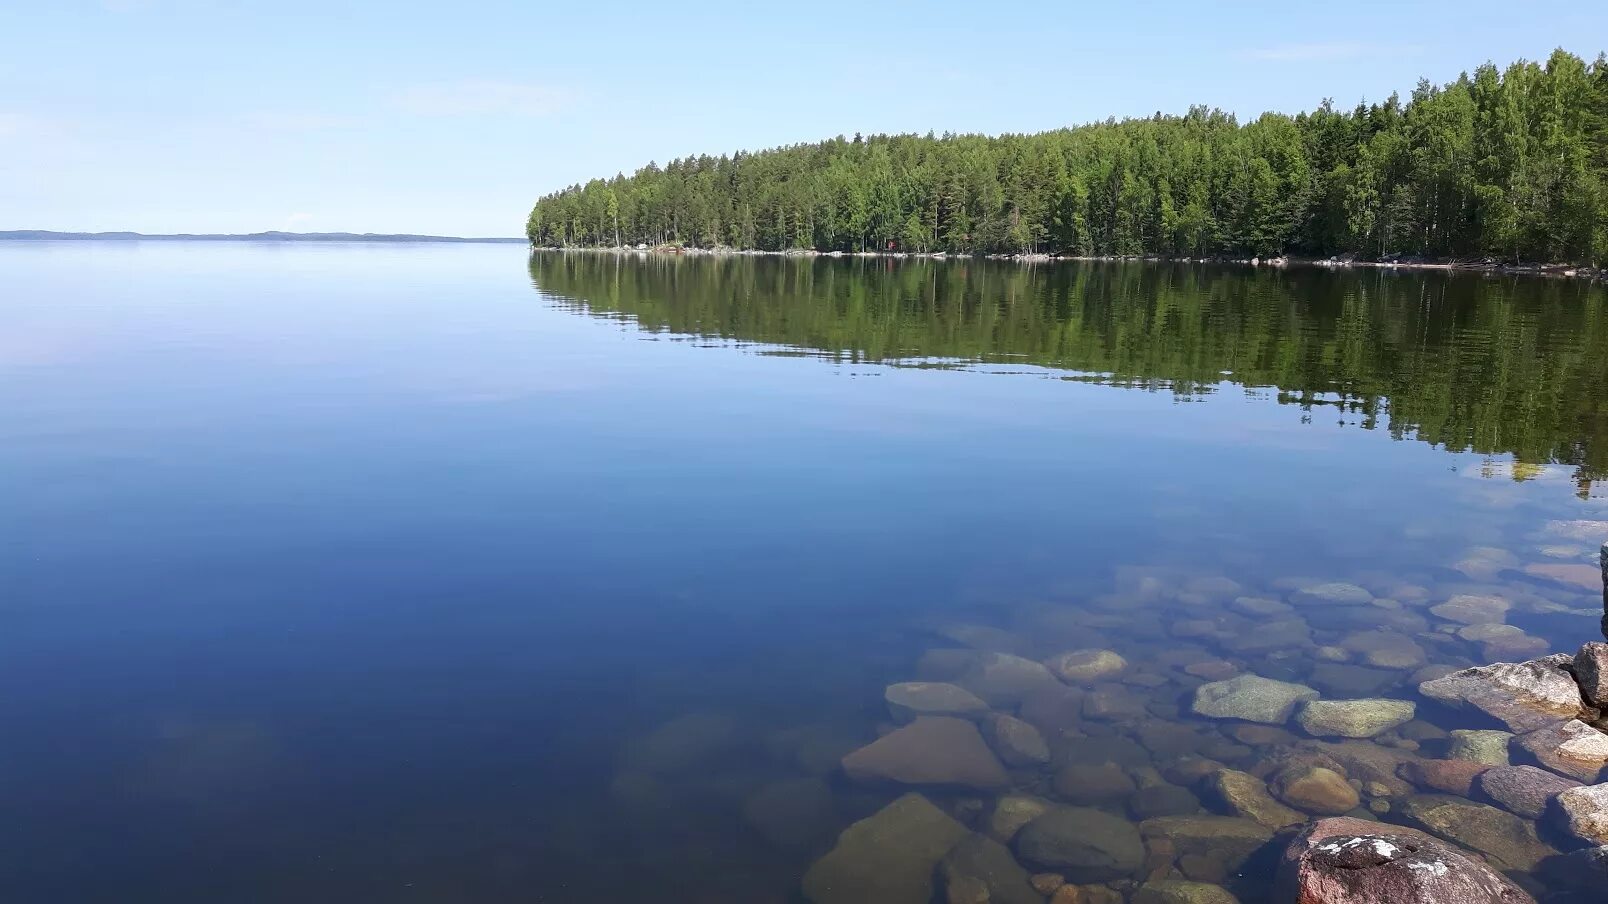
(47, 235)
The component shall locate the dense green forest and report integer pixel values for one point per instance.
(1470, 363)
(1504, 164)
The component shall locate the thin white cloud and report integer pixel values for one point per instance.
(481, 97)
(1327, 52)
(287, 121)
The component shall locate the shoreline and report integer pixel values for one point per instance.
(1554, 271)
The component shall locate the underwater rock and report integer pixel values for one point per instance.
(1016, 742)
(910, 699)
(1164, 799)
(1252, 698)
(980, 862)
(1085, 666)
(1344, 680)
(1353, 861)
(1013, 811)
(1085, 783)
(1282, 634)
(791, 812)
(1487, 746)
(684, 743)
(1585, 871)
(1449, 776)
(932, 750)
(1354, 718)
(1053, 710)
(1315, 789)
(1259, 607)
(1113, 703)
(1510, 842)
(1523, 790)
(1484, 563)
(1332, 594)
(1228, 838)
(1385, 649)
(1524, 696)
(1582, 577)
(1236, 793)
(889, 856)
(980, 637)
(1174, 891)
(1570, 748)
(1005, 680)
(1470, 609)
(1082, 844)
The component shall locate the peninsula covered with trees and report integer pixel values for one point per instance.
(1501, 164)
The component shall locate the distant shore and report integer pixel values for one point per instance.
(45, 235)
(1559, 271)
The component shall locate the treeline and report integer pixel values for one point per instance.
(1509, 165)
(1469, 363)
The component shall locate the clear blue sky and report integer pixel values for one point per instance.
(210, 115)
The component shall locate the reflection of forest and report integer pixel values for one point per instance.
(1495, 365)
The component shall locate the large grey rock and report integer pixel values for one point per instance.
(910, 699)
(1469, 609)
(1005, 680)
(683, 744)
(1570, 748)
(1017, 742)
(1252, 698)
(1082, 844)
(1228, 839)
(1013, 811)
(1524, 696)
(1236, 793)
(1582, 812)
(1354, 718)
(1524, 790)
(1480, 746)
(1085, 666)
(935, 750)
(889, 856)
(1591, 666)
(1177, 891)
(1331, 594)
(1354, 861)
(1315, 789)
(1510, 842)
(981, 863)
(1385, 649)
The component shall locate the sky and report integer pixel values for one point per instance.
(452, 118)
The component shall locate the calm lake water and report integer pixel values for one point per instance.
(417, 573)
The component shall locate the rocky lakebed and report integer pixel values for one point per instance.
(1187, 739)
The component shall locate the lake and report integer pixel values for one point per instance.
(422, 573)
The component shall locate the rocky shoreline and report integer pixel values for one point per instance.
(1556, 271)
(1067, 795)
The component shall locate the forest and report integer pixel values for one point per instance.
(1495, 365)
(1504, 165)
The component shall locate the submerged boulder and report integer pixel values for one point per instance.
(889, 856)
(1082, 844)
(1509, 842)
(1315, 789)
(910, 699)
(1238, 793)
(932, 750)
(1353, 861)
(1524, 790)
(1175, 891)
(1355, 718)
(1085, 666)
(1252, 698)
(1480, 746)
(983, 868)
(1227, 839)
(1005, 680)
(1524, 696)
(1017, 742)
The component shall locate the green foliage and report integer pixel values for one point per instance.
(1468, 362)
(1505, 164)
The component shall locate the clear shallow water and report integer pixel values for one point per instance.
(342, 573)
